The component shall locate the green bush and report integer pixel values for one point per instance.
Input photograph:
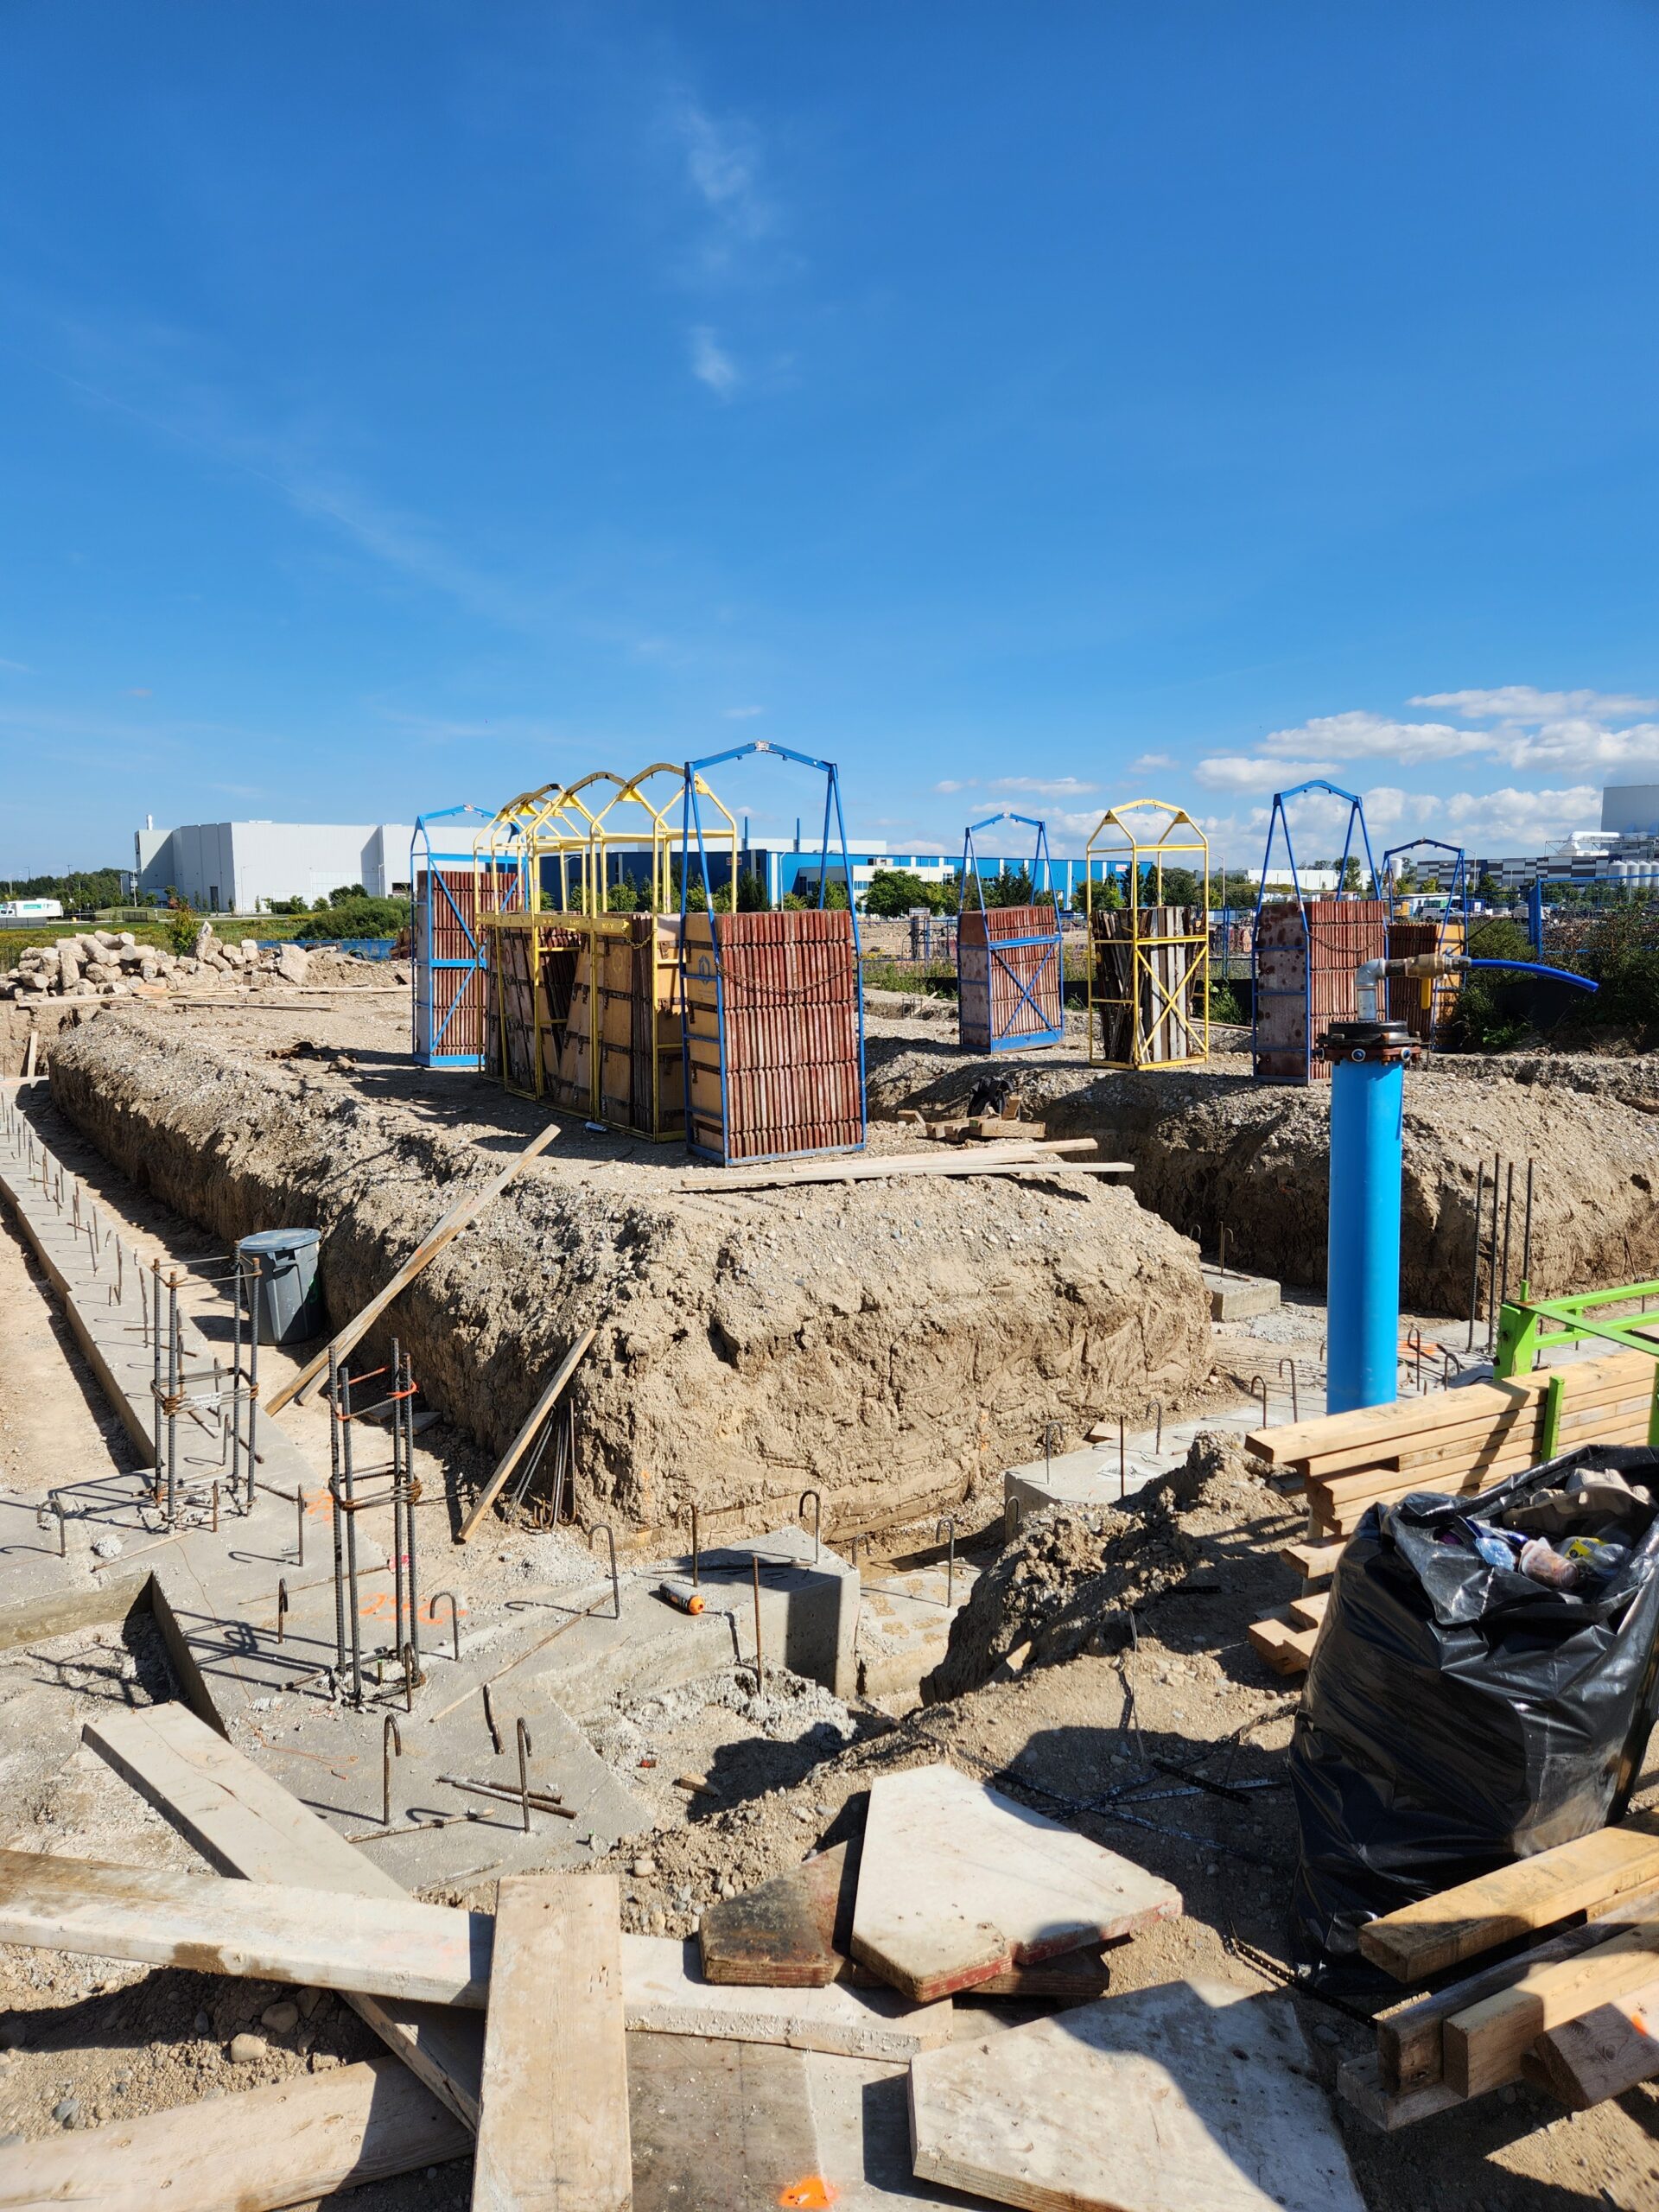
(182, 926)
(1224, 1005)
(1499, 939)
(360, 918)
(621, 897)
(894, 891)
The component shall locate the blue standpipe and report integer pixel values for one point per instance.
(1368, 1101)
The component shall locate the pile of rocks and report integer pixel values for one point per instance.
(110, 963)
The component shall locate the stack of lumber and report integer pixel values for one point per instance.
(1454, 1441)
(1576, 2014)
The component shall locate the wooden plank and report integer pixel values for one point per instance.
(297, 2140)
(1584, 1876)
(521, 1443)
(1307, 1612)
(244, 1823)
(1602, 2053)
(378, 1947)
(1312, 1558)
(553, 2127)
(665, 1995)
(1482, 2046)
(1359, 2081)
(463, 1212)
(1518, 1423)
(1180, 2097)
(958, 1883)
(1409, 2046)
(1285, 1647)
(795, 1932)
(860, 1171)
(722, 2127)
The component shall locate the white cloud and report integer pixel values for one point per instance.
(1357, 736)
(1044, 786)
(139, 691)
(712, 365)
(741, 713)
(951, 784)
(1486, 823)
(1154, 760)
(18, 667)
(1238, 771)
(1520, 703)
(722, 162)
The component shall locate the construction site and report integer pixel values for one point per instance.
(636, 1574)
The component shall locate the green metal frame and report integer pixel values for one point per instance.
(1525, 1325)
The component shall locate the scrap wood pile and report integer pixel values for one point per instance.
(1454, 1442)
(599, 2070)
(1576, 2013)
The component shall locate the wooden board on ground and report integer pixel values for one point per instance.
(1314, 1560)
(665, 1995)
(722, 2124)
(1360, 2083)
(1601, 2054)
(1184, 2096)
(297, 2140)
(377, 1946)
(795, 1932)
(958, 1883)
(1483, 2045)
(244, 1823)
(1586, 1875)
(1030, 1160)
(553, 2123)
(1284, 1646)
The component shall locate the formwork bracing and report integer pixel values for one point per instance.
(1423, 1002)
(1148, 987)
(772, 1006)
(1308, 950)
(1009, 969)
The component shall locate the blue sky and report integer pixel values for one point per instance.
(405, 403)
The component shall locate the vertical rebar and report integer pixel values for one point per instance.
(389, 1739)
(351, 1531)
(759, 1663)
(253, 1381)
(1122, 1460)
(489, 1719)
(335, 1515)
(1526, 1239)
(1474, 1277)
(1491, 1255)
(1509, 1224)
(411, 1499)
(524, 1748)
(173, 1366)
(235, 1374)
(299, 1528)
(155, 1377)
(396, 1425)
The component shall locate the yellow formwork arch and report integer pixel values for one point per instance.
(1148, 987)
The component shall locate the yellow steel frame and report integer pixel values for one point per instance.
(1122, 838)
(558, 823)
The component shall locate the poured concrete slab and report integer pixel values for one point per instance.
(904, 1625)
(1182, 2095)
(1234, 1297)
(1090, 1476)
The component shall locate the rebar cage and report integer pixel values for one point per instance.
(1010, 979)
(1148, 962)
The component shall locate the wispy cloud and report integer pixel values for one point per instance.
(952, 784)
(1520, 703)
(722, 165)
(712, 365)
(1241, 772)
(138, 691)
(741, 713)
(18, 667)
(1528, 731)
(1507, 820)
(1044, 786)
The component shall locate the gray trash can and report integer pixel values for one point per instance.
(288, 1297)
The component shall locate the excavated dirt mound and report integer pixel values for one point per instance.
(1211, 1148)
(889, 1343)
(1070, 1579)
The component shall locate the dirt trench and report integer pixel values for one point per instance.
(1211, 1149)
(890, 1344)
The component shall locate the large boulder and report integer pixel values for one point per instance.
(293, 964)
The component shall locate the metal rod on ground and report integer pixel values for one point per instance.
(1295, 1403)
(1256, 1383)
(455, 1618)
(543, 1801)
(1158, 1407)
(489, 1720)
(390, 1739)
(53, 1503)
(524, 1747)
(349, 1499)
(299, 1528)
(1474, 1279)
(282, 1608)
(950, 1527)
(760, 1664)
(333, 1500)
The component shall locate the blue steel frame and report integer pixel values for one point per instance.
(1047, 1034)
(1279, 817)
(691, 819)
(1457, 895)
(420, 848)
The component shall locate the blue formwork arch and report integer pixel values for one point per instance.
(690, 826)
(1278, 819)
(1046, 1033)
(436, 987)
(1457, 902)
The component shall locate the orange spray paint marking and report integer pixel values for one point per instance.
(811, 2194)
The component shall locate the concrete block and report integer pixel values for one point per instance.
(904, 1625)
(1086, 1478)
(1234, 1297)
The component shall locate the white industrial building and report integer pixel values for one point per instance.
(241, 868)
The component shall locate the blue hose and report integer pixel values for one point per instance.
(1532, 968)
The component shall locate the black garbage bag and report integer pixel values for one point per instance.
(1459, 1715)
